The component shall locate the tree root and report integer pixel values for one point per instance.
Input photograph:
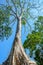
(18, 56)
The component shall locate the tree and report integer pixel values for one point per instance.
(19, 11)
(35, 41)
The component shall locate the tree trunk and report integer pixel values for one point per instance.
(17, 55)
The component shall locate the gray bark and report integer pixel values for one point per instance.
(17, 55)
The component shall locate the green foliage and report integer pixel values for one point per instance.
(4, 22)
(23, 22)
(4, 14)
(39, 24)
(40, 18)
(39, 55)
(36, 36)
(34, 41)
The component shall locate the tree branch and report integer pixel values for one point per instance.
(13, 12)
(14, 5)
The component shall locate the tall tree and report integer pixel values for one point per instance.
(35, 41)
(19, 11)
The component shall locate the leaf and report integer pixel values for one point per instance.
(23, 22)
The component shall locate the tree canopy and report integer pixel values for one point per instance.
(11, 11)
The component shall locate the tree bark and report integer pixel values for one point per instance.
(17, 55)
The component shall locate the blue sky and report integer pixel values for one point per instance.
(5, 46)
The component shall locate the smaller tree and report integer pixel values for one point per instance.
(34, 41)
